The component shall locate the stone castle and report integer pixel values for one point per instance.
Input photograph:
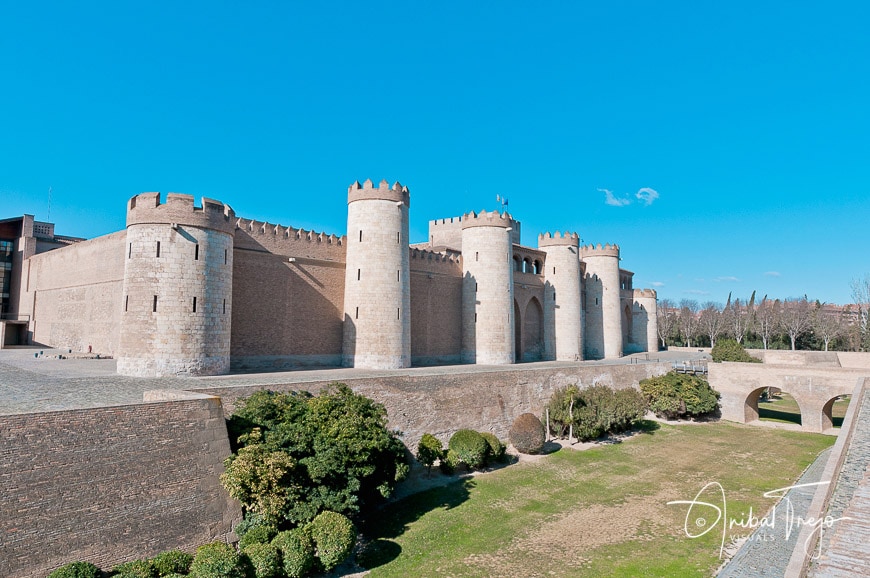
(189, 290)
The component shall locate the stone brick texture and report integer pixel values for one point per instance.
(111, 484)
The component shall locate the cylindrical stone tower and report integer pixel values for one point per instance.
(603, 317)
(178, 287)
(563, 308)
(487, 289)
(377, 294)
(645, 324)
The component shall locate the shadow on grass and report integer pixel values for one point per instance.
(392, 520)
(787, 416)
(647, 426)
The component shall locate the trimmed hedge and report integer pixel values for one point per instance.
(77, 570)
(297, 551)
(217, 560)
(265, 560)
(468, 447)
(429, 450)
(334, 536)
(135, 569)
(172, 562)
(496, 448)
(261, 534)
(527, 434)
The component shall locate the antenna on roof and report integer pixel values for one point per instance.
(48, 218)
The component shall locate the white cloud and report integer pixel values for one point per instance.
(647, 195)
(657, 284)
(610, 199)
(696, 292)
(772, 274)
(729, 279)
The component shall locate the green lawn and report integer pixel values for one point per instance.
(600, 512)
(783, 408)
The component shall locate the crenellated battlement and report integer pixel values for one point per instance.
(423, 260)
(485, 219)
(179, 209)
(607, 250)
(558, 239)
(644, 294)
(397, 193)
(289, 233)
(290, 241)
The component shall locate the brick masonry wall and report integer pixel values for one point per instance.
(436, 320)
(77, 292)
(285, 313)
(111, 484)
(441, 403)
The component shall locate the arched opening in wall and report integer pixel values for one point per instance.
(518, 333)
(517, 264)
(537, 267)
(772, 404)
(626, 326)
(533, 331)
(527, 266)
(834, 411)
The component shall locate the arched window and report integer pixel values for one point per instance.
(517, 266)
(537, 267)
(527, 266)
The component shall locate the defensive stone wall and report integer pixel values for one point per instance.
(288, 298)
(74, 294)
(563, 307)
(112, 484)
(604, 331)
(441, 403)
(436, 318)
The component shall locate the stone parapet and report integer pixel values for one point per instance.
(384, 192)
(558, 239)
(146, 208)
(484, 219)
(607, 250)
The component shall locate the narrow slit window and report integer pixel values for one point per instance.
(129, 250)
(399, 313)
(225, 306)
(477, 256)
(360, 236)
(554, 270)
(475, 287)
(194, 304)
(154, 306)
(358, 274)
(475, 317)
(225, 256)
(158, 248)
(196, 252)
(399, 275)
(356, 315)
(398, 237)
(126, 301)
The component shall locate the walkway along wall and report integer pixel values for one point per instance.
(112, 484)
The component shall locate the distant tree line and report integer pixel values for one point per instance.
(795, 323)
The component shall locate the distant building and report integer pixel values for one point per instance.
(195, 290)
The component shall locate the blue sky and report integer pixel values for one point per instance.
(723, 146)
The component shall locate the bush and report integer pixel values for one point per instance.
(77, 570)
(172, 562)
(265, 559)
(676, 395)
(261, 534)
(333, 536)
(468, 447)
(595, 411)
(496, 448)
(297, 551)
(629, 408)
(429, 450)
(298, 455)
(560, 409)
(217, 560)
(448, 463)
(135, 569)
(527, 434)
(730, 350)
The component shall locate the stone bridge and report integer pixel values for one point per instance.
(815, 387)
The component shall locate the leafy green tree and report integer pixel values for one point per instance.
(675, 395)
(730, 350)
(300, 454)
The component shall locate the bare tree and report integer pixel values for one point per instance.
(738, 317)
(666, 319)
(767, 319)
(688, 320)
(796, 318)
(861, 296)
(711, 321)
(827, 324)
